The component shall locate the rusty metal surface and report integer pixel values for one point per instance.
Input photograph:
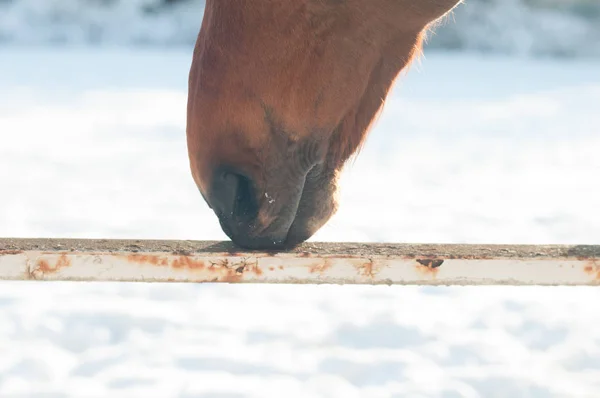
(347, 263)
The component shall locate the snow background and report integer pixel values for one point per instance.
(547, 28)
(93, 145)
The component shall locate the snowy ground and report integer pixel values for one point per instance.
(469, 149)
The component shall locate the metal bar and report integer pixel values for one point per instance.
(315, 263)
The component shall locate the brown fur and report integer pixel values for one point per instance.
(284, 92)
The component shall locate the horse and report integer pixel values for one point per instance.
(281, 93)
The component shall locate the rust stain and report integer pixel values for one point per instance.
(44, 267)
(248, 266)
(593, 269)
(346, 256)
(187, 262)
(592, 258)
(367, 269)
(233, 272)
(63, 261)
(429, 266)
(147, 259)
(320, 267)
(217, 265)
(10, 252)
(257, 270)
(233, 275)
(182, 261)
(271, 268)
(281, 267)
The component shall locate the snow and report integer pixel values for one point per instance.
(469, 149)
(549, 28)
(99, 22)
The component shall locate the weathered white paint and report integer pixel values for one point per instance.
(299, 267)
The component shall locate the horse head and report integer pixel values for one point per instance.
(281, 95)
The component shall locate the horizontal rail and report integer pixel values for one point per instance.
(336, 263)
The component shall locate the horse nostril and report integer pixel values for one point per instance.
(246, 206)
(233, 196)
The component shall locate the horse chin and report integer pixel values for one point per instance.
(260, 238)
(317, 205)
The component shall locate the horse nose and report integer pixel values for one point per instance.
(232, 197)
